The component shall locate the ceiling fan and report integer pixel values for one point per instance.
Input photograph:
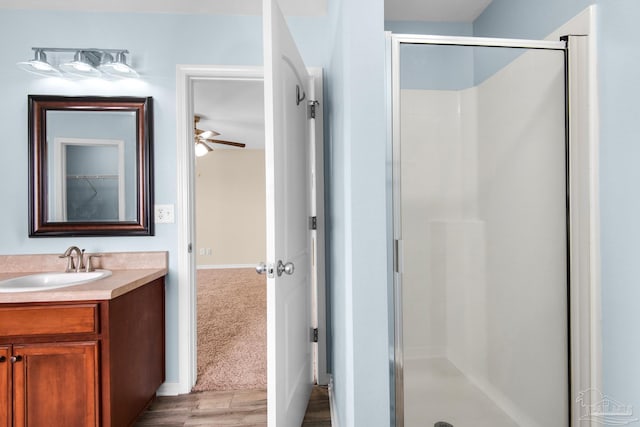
(203, 139)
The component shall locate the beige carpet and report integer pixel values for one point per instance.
(232, 330)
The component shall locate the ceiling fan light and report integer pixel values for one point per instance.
(202, 149)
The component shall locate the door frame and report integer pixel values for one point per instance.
(583, 241)
(60, 170)
(186, 75)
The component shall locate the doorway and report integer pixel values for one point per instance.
(484, 225)
(187, 76)
(230, 234)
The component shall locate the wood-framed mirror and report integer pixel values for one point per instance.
(90, 166)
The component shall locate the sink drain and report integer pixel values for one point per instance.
(442, 424)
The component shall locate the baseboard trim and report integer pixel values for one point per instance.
(169, 389)
(332, 403)
(224, 266)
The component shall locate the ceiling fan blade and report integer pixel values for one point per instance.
(220, 141)
(205, 134)
(208, 134)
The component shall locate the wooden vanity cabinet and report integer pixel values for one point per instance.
(81, 364)
(41, 394)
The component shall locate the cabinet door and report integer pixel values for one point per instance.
(5, 387)
(56, 385)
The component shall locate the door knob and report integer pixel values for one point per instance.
(15, 359)
(3, 359)
(287, 268)
(261, 268)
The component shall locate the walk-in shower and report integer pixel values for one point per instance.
(482, 232)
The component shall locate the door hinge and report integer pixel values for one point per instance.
(313, 222)
(189, 248)
(313, 105)
(314, 335)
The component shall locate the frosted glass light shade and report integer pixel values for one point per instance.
(202, 149)
(80, 66)
(117, 67)
(39, 65)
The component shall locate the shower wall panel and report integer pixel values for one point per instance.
(437, 185)
(522, 196)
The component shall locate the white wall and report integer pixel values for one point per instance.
(485, 270)
(230, 207)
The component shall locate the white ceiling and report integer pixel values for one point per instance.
(233, 108)
(228, 7)
(434, 10)
(395, 10)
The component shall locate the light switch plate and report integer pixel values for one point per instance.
(164, 214)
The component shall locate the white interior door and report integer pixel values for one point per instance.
(289, 357)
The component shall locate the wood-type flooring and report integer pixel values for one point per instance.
(243, 408)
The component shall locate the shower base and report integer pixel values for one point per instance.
(435, 390)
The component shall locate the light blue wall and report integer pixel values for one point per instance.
(421, 67)
(518, 19)
(338, 218)
(619, 69)
(525, 19)
(357, 200)
(158, 42)
(436, 67)
(433, 28)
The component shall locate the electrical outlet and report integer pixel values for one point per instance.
(201, 251)
(208, 251)
(164, 214)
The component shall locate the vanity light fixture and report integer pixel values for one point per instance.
(87, 62)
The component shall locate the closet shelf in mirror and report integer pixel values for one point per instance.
(93, 176)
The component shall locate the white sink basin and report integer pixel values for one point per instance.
(46, 281)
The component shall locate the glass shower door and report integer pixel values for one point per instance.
(481, 215)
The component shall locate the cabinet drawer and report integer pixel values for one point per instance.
(49, 320)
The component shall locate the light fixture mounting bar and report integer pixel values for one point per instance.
(76, 49)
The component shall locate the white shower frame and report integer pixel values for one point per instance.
(585, 352)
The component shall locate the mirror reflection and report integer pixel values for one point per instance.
(92, 165)
(92, 169)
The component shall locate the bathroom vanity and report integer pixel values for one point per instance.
(84, 355)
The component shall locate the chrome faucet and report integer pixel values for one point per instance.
(71, 266)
